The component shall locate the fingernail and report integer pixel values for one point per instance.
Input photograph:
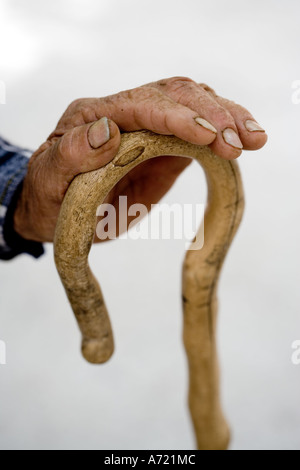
(206, 124)
(99, 133)
(253, 126)
(231, 138)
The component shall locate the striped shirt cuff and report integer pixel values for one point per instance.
(13, 168)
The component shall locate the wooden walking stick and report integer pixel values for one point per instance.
(73, 240)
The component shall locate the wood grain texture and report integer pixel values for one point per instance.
(73, 240)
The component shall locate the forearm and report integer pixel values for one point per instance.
(13, 168)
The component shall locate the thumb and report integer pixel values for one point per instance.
(86, 148)
(82, 149)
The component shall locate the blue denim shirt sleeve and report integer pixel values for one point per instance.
(13, 168)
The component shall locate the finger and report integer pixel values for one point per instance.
(188, 93)
(252, 135)
(148, 108)
(85, 148)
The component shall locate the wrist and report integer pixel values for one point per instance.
(19, 241)
(21, 219)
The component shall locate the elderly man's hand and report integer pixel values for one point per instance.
(88, 136)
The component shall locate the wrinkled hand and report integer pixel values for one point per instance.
(87, 137)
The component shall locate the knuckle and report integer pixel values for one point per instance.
(74, 106)
(223, 116)
(241, 110)
(143, 93)
(178, 83)
(77, 113)
(208, 89)
(179, 79)
(78, 106)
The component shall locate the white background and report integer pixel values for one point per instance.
(55, 51)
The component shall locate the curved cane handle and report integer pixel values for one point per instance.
(73, 240)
